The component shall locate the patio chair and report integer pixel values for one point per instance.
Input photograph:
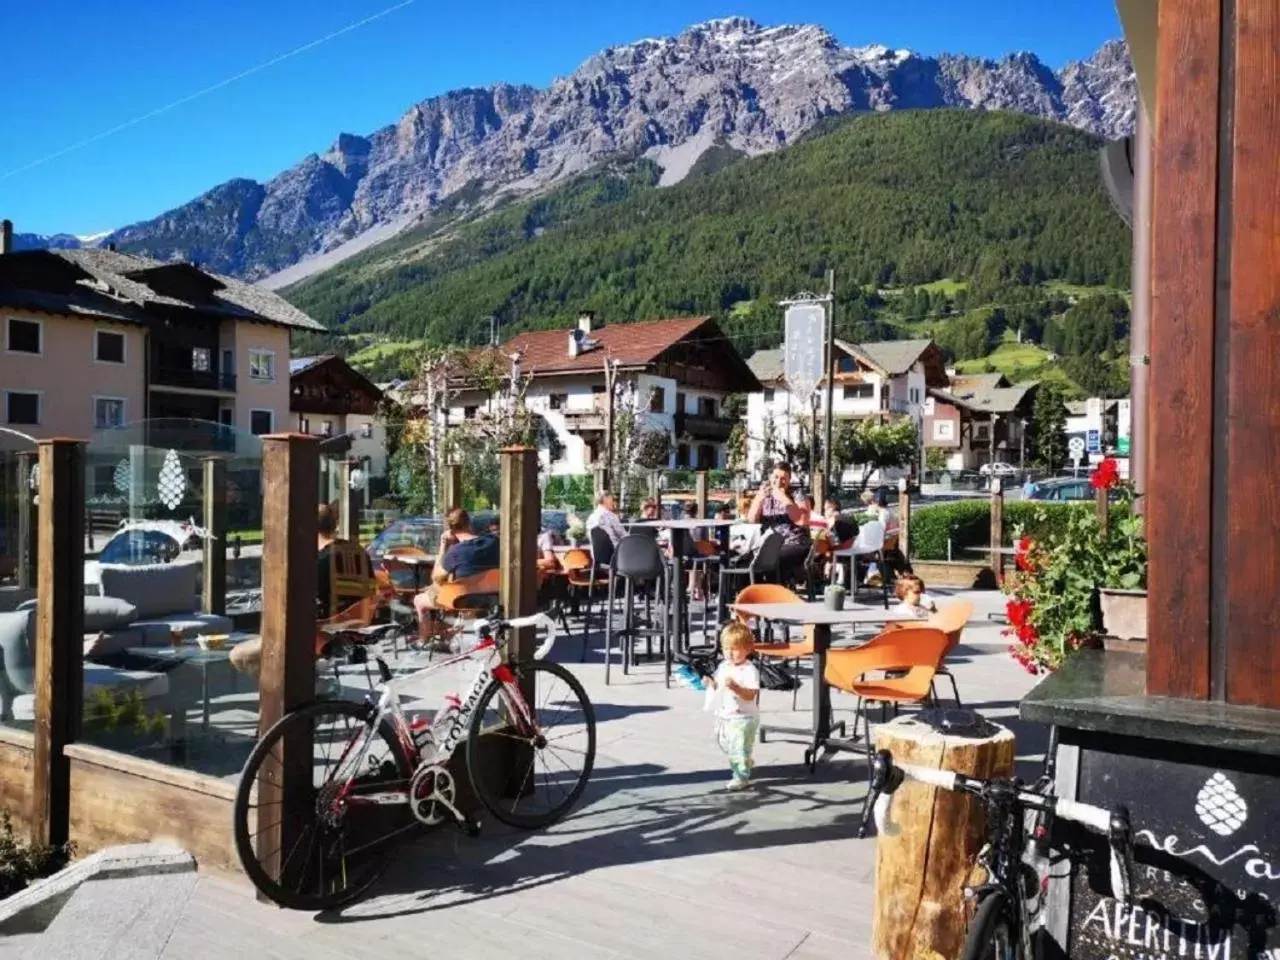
(583, 578)
(917, 651)
(951, 619)
(868, 548)
(636, 562)
(766, 647)
(765, 565)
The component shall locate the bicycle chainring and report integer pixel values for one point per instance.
(432, 795)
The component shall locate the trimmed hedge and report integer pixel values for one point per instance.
(968, 524)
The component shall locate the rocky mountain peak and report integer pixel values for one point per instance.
(730, 82)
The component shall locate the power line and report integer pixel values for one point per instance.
(151, 114)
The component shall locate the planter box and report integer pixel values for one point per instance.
(1124, 613)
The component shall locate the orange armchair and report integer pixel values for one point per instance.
(776, 593)
(951, 619)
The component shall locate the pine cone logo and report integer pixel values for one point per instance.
(1220, 806)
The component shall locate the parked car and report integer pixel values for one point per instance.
(998, 470)
(151, 541)
(1066, 488)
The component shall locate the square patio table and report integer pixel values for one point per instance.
(190, 654)
(817, 615)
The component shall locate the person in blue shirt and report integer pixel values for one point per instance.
(462, 554)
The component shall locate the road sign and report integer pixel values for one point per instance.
(1076, 448)
(803, 355)
(1095, 441)
(1122, 446)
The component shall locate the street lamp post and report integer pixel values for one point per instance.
(1022, 446)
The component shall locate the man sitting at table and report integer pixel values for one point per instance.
(774, 507)
(605, 516)
(461, 554)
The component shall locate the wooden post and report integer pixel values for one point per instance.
(1102, 504)
(291, 473)
(601, 484)
(349, 500)
(518, 541)
(819, 490)
(214, 589)
(450, 486)
(59, 653)
(700, 492)
(1214, 450)
(904, 520)
(997, 528)
(925, 855)
(28, 549)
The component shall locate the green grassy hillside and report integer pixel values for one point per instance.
(976, 208)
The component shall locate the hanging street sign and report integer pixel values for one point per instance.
(1095, 441)
(804, 353)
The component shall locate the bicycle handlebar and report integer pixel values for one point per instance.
(1113, 824)
(499, 626)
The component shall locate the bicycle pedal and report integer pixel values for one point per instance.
(469, 825)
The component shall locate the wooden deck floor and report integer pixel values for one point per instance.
(659, 861)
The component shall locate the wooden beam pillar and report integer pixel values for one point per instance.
(700, 492)
(213, 592)
(27, 523)
(291, 474)
(1214, 425)
(518, 541)
(904, 519)
(997, 528)
(59, 653)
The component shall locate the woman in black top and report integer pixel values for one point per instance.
(774, 507)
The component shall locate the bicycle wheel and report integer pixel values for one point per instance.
(338, 848)
(548, 767)
(993, 935)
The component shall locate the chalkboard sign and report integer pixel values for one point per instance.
(1207, 871)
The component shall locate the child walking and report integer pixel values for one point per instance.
(735, 693)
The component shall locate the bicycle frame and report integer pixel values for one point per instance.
(488, 652)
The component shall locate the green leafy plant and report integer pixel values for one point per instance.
(968, 524)
(107, 713)
(22, 862)
(1052, 595)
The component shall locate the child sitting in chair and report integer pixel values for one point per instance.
(734, 694)
(913, 601)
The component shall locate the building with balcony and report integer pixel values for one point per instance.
(977, 419)
(96, 339)
(681, 371)
(330, 399)
(879, 381)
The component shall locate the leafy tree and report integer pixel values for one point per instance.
(1049, 427)
(873, 446)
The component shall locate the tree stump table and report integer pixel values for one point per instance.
(925, 855)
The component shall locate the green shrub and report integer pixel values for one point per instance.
(968, 524)
(574, 491)
(21, 862)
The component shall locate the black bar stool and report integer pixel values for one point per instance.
(637, 561)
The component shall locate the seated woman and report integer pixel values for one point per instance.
(461, 554)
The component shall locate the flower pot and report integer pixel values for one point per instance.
(1124, 613)
(834, 599)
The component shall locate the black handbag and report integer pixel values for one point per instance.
(774, 674)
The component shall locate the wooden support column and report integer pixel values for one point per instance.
(997, 528)
(349, 501)
(59, 652)
(1102, 505)
(27, 524)
(450, 487)
(601, 484)
(291, 473)
(904, 520)
(819, 490)
(213, 591)
(700, 492)
(1214, 450)
(518, 541)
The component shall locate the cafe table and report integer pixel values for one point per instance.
(680, 634)
(822, 619)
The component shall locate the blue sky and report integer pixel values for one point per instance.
(77, 68)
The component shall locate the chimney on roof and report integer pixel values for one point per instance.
(6, 237)
(586, 321)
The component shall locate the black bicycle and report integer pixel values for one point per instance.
(1015, 856)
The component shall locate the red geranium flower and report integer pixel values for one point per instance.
(1022, 554)
(1106, 476)
(1017, 611)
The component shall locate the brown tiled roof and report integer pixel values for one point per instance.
(631, 344)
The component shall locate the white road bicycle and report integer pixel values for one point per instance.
(379, 775)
